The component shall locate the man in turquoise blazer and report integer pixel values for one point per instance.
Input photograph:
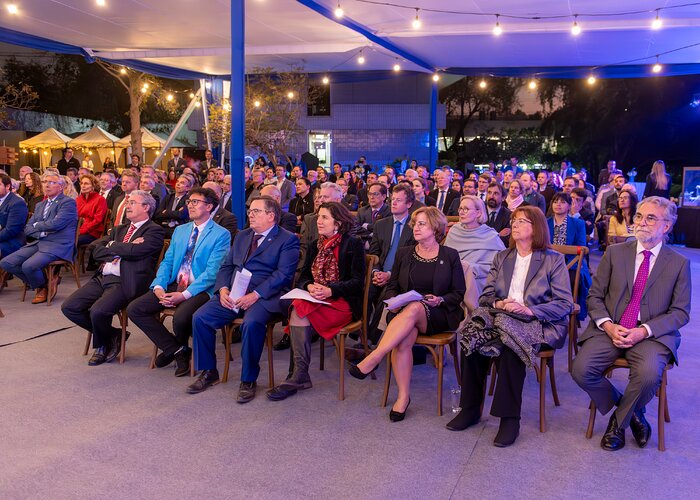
(185, 280)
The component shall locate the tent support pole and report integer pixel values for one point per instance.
(205, 110)
(433, 136)
(237, 146)
(181, 123)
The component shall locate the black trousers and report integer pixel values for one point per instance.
(145, 310)
(93, 306)
(508, 396)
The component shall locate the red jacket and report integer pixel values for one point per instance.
(93, 212)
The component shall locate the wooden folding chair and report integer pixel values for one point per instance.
(228, 335)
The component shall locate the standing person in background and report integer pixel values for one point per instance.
(176, 163)
(68, 161)
(658, 181)
(287, 188)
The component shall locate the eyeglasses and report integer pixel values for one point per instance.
(374, 194)
(519, 222)
(256, 211)
(651, 220)
(194, 203)
(464, 210)
(132, 203)
(48, 183)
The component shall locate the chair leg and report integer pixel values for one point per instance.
(341, 355)
(543, 392)
(76, 274)
(51, 282)
(454, 350)
(24, 291)
(322, 346)
(570, 359)
(591, 420)
(87, 343)
(441, 369)
(270, 362)
(154, 355)
(494, 375)
(553, 382)
(387, 380)
(228, 333)
(363, 334)
(124, 320)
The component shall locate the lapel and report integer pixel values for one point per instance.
(343, 251)
(661, 260)
(569, 230)
(205, 232)
(406, 233)
(508, 267)
(535, 263)
(265, 243)
(629, 265)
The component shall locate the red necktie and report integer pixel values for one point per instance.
(120, 211)
(374, 214)
(629, 317)
(129, 233)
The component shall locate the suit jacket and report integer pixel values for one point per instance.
(362, 197)
(351, 264)
(300, 207)
(665, 305)
(137, 267)
(112, 196)
(288, 221)
(226, 203)
(575, 231)
(160, 193)
(448, 281)
(272, 265)
(547, 290)
(227, 220)
(166, 215)
(535, 199)
(364, 216)
(207, 165)
(381, 239)
(454, 208)
(13, 217)
(350, 201)
(288, 191)
(308, 234)
(113, 216)
(211, 247)
(450, 196)
(59, 225)
(177, 166)
(64, 165)
(502, 222)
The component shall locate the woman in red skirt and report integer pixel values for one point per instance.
(333, 272)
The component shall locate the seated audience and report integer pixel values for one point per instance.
(476, 242)
(639, 300)
(419, 189)
(435, 272)
(13, 217)
(443, 194)
(303, 203)
(129, 254)
(287, 221)
(528, 272)
(334, 272)
(271, 255)
(30, 190)
(621, 225)
(53, 228)
(368, 215)
(175, 211)
(130, 182)
(109, 189)
(530, 195)
(69, 187)
(184, 281)
(349, 200)
(580, 209)
(220, 215)
(92, 208)
(515, 195)
(362, 192)
(498, 216)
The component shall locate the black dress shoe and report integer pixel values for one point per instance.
(246, 392)
(355, 371)
(98, 357)
(614, 437)
(206, 379)
(284, 343)
(281, 392)
(463, 420)
(182, 360)
(508, 432)
(163, 360)
(641, 430)
(116, 347)
(398, 416)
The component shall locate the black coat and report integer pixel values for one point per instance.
(450, 196)
(351, 264)
(502, 222)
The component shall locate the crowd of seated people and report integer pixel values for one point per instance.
(502, 241)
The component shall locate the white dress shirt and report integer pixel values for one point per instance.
(113, 268)
(517, 283)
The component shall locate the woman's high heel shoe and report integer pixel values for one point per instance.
(398, 416)
(355, 371)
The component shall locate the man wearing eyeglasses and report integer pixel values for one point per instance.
(639, 300)
(375, 210)
(185, 281)
(270, 254)
(128, 257)
(53, 227)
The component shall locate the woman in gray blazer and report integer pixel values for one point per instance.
(528, 278)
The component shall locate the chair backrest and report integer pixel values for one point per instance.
(77, 235)
(370, 262)
(106, 221)
(452, 219)
(579, 253)
(166, 245)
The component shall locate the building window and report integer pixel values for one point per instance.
(319, 100)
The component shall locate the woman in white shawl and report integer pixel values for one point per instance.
(515, 195)
(476, 242)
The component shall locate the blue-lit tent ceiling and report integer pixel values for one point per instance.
(185, 35)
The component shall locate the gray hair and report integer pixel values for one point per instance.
(337, 190)
(478, 204)
(112, 179)
(148, 178)
(148, 200)
(273, 191)
(214, 187)
(670, 210)
(61, 180)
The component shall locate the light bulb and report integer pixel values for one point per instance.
(532, 85)
(339, 11)
(575, 29)
(436, 77)
(325, 80)
(12, 9)
(656, 68)
(191, 95)
(144, 90)
(497, 30)
(123, 71)
(361, 59)
(482, 84)
(169, 97)
(416, 22)
(657, 22)
(256, 104)
(397, 67)
(591, 80)
(290, 95)
(197, 104)
(101, 3)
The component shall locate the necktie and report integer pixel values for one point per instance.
(481, 195)
(374, 215)
(175, 203)
(492, 218)
(226, 197)
(629, 317)
(120, 212)
(183, 275)
(389, 261)
(46, 208)
(441, 200)
(129, 233)
(253, 245)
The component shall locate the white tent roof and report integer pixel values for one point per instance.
(96, 137)
(49, 138)
(279, 33)
(148, 140)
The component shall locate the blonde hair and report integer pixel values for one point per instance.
(658, 170)
(436, 219)
(478, 205)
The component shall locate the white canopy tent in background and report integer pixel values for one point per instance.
(151, 142)
(98, 139)
(45, 143)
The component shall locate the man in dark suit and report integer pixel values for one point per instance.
(390, 234)
(68, 161)
(271, 255)
(530, 195)
(639, 300)
(349, 200)
(130, 183)
(184, 281)
(375, 210)
(209, 161)
(159, 191)
(220, 215)
(286, 187)
(176, 163)
(443, 194)
(174, 211)
(129, 256)
(13, 217)
(226, 193)
(53, 227)
(362, 197)
(109, 189)
(498, 216)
